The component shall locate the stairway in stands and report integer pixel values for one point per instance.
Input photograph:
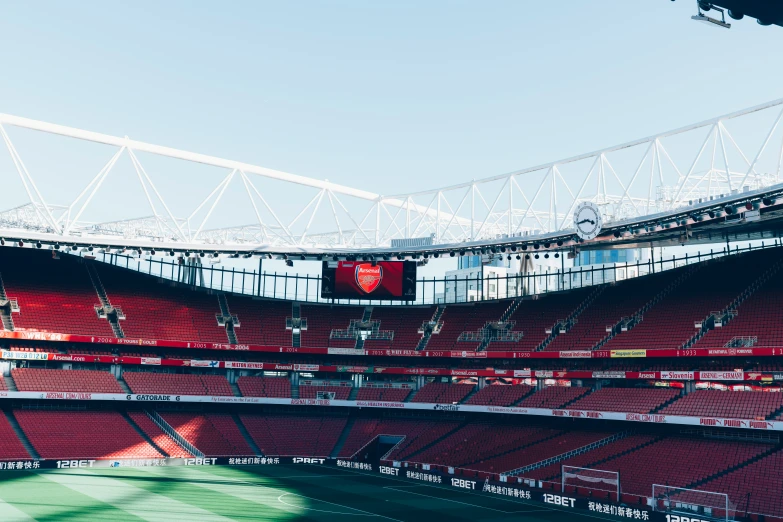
(438, 440)
(343, 437)
(113, 315)
(124, 385)
(568, 322)
(6, 308)
(21, 434)
(143, 434)
(296, 313)
(243, 430)
(366, 317)
(433, 323)
(627, 323)
(9, 383)
(169, 430)
(567, 455)
(228, 318)
(729, 311)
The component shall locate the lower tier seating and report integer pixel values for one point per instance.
(554, 397)
(40, 379)
(294, 435)
(177, 383)
(383, 394)
(279, 387)
(632, 400)
(500, 395)
(11, 448)
(156, 435)
(215, 435)
(83, 435)
(442, 393)
(738, 405)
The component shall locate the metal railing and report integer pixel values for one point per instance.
(306, 288)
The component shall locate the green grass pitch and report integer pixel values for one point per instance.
(223, 494)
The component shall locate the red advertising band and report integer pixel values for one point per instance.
(578, 354)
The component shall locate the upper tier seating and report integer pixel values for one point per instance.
(404, 322)
(465, 318)
(279, 387)
(736, 405)
(311, 392)
(533, 317)
(609, 307)
(161, 439)
(554, 397)
(11, 448)
(670, 322)
(759, 316)
(215, 434)
(498, 395)
(261, 322)
(322, 319)
(443, 393)
(54, 295)
(383, 394)
(629, 400)
(39, 379)
(284, 435)
(83, 435)
(155, 310)
(177, 383)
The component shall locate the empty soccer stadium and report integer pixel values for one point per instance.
(189, 330)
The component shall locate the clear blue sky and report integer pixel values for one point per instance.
(386, 95)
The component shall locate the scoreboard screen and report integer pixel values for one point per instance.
(392, 280)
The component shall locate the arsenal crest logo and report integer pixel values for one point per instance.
(368, 277)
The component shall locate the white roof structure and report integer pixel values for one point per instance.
(631, 183)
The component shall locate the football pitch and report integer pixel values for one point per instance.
(223, 494)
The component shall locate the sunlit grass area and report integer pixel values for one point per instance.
(274, 493)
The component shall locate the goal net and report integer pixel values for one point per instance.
(692, 503)
(592, 479)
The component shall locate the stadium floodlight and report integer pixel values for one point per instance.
(289, 262)
(38, 244)
(692, 503)
(714, 22)
(21, 243)
(2, 241)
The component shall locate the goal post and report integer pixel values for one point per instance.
(693, 503)
(592, 479)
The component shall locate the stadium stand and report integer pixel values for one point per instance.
(54, 295)
(83, 435)
(155, 310)
(404, 322)
(498, 395)
(465, 318)
(321, 320)
(728, 404)
(554, 397)
(177, 383)
(215, 435)
(281, 435)
(365, 430)
(383, 394)
(162, 440)
(533, 317)
(261, 322)
(311, 392)
(631, 400)
(669, 323)
(264, 386)
(443, 393)
(11, 448)
(39, 379)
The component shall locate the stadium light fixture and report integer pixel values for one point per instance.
(288, 262)
(768, 201)
(21, 243)
(2, 241)
(714, 22)
(537, 256)
(38, 245)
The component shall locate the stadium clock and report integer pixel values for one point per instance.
(587, 220)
